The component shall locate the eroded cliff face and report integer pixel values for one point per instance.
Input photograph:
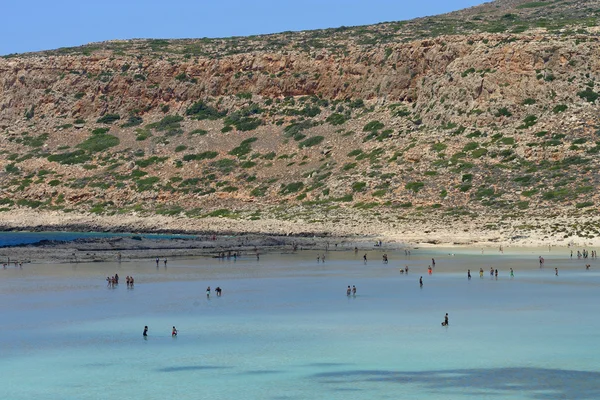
(474, 124)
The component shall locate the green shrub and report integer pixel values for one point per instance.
(260, 191)
(414, 186)
(559, 108)
(336, 119)
(98, 143)
(373, 126)
(529, 121)
(142, 134)
(503, 112)
(248, 164)
(470, 146)
(588, 94)
(479, 153)
(529, 101)
(171, 124)
(108, 118)
(223, 212)
(29, 203)
(75, 157)
(355, 153)
(312, 141)
(180, 148)
(244, 148)
(200, 110)
(293, 187)
(149, 161)
(348, 166)
(100, 131)
(438, 147)
(133, 120)
(585, 204)
(199, 132)
(146, 183)
(206, 155)
(224, 165)
(359, 186)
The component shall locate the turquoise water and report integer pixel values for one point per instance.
(18, 238)
(284, 329)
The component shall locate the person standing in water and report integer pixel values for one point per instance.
(481, 272)
(208, 291)
(512, 273)
(145, 334)
(157, 260)
(365, 258)
(445, 323)
(555, 271)
(469, 274)
(174, 332)
(421, 281)
(433, 262)
(348, 291)
(165, 263)
(353, 290)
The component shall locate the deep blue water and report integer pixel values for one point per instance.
(18, 238)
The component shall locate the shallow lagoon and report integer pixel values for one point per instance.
(284, 328)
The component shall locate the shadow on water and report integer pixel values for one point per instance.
(184, 368)
(538, 383)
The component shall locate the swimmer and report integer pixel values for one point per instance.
(174, 332)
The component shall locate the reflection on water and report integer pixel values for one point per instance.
(285, 329)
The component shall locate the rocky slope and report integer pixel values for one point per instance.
(487, 114)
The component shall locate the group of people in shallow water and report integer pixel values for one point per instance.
(174, 332)
(584, 254)
(112, 281)
(351, 291)
(17, 264)
(218, 291)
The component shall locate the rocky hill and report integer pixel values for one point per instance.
(486, 115)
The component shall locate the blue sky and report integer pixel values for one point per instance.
(46, 24)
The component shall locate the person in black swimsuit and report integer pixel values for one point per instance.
(145, 334)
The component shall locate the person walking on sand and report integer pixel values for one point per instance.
(174, 332)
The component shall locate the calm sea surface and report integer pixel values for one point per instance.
(285, 329)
